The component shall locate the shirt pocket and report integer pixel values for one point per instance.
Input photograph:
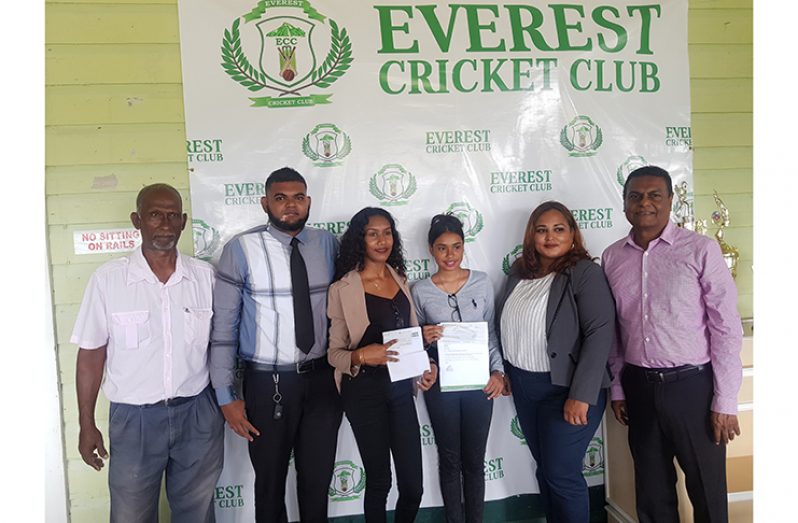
(131, 329)
(198, 327)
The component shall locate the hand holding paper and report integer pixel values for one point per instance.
(412, 358)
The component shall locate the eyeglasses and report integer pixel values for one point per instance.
(456, 316)
(397, 315)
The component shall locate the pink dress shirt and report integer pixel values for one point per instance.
(676, 305)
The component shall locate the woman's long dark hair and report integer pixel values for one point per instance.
(352, 253)
(528, 264)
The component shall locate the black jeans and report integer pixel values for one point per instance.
(309, 426)
(461, 421)
(384, 422)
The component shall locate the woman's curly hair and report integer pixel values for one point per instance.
(528, 264)
(352, 253)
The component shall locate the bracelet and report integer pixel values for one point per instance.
(360, 358)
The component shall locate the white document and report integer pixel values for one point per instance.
(413, 359)
(463, 353)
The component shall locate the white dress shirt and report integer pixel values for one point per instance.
(523, 325)
(157, 333)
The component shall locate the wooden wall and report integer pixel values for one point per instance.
(115, 122)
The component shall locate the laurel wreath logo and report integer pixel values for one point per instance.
(570, 146)
(236, 64)
(511, 256)
(351, 493)
(379, 194)
(308, 151)
(515, 428)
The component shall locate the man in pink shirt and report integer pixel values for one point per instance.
(676, 363)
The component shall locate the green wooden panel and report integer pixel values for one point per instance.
(112, 64)
(131, 177)
(85, 483)
(118, 104)
(81, 208)
(720, 4)
(745, 305)
(722, 95)
(116, 143)
(64, 316)
(713, 26)
(723, 129)
(722, 157)
(69, 281)
(726, 181)
(111, 23)
(62, 247)
(740, 208)
(721, 61)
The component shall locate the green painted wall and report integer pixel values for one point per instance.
(114, 122)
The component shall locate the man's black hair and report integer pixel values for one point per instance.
(284, 174)
(649, 170)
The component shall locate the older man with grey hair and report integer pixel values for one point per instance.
(145, 323)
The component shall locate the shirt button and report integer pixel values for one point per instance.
(646, 339)
(645, 295)
(645, 254)
(646, 316)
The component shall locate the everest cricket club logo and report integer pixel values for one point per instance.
(581, 137)
(229, 496)
(629, 165)
(510, 258)
(494, 468)
(206, 239)
(393, 184)
(289, 32)
(593, 463)
(515, 428)
(326, 144)
(348, 481)
(471, 219)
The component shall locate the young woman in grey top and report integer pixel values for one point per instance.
(461, 419)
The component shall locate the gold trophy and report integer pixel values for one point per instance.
(721, 219)
(684, 212)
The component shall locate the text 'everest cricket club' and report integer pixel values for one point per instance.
(502, 64)
(300, 51)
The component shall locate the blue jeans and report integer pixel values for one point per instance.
(557, 446)
(184, 439)
(461, 421)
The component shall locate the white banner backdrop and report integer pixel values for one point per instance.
(479, 108)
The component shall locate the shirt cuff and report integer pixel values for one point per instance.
(225, 395)
(616, 393)
(724, 405)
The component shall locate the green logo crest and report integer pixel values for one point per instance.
(629, 165)
(470, 217)
(510, 257)
(325, 144)
(581, 137)
(393, 184)
(515, 428)
(287, 60)
(206, 239)
(348, 481)
(593, 463)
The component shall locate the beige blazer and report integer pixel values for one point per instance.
(346, 308)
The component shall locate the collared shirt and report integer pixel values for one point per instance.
(677, 305)
(523, 325)
(474, 301)
(156, 333)
(253, 306)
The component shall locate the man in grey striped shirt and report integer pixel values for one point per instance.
(290, 399)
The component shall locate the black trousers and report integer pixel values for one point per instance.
(309, 427)
(384, 422)
(461, 421)
(668, 420)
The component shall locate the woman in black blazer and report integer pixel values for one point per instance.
(556, 322)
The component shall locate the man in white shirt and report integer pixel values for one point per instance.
(145, 320)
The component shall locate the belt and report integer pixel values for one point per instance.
(171, 402)
(669, 375)
(300, 367)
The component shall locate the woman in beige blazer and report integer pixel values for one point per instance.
(370, 296)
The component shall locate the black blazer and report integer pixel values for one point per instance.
(580, 328)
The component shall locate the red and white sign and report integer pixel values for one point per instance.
(106, 241)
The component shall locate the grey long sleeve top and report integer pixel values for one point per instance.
(475, 300)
